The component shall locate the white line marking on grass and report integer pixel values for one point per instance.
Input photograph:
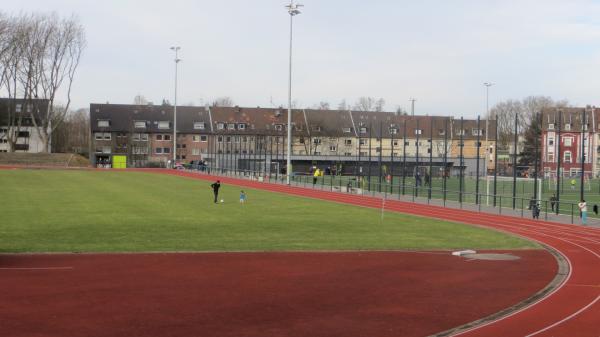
(36, 268)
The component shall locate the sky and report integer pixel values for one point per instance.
(438, 52)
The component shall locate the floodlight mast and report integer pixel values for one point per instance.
(293, 10)
(177, 60)
(487, 147)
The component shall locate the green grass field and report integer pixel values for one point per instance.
(524, 192)
(110, 211)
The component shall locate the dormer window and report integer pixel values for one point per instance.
(220, 126)
(241, 126)
(393, 131)
(278, 127)
(347, 130)
(477, 132)
(140, 124)
(363, 130)
(568, 127)
(231, 126)
(418, 131)
(164, 124)
(551, 126)
(103, 123)
(18, 108)
(460, 132)
(199, 125)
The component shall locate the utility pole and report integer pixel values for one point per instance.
(412, 106)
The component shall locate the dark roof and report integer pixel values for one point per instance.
(572, 116)
(273, 121)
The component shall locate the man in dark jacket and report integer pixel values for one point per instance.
(215, 186)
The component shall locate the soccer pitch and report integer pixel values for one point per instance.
(121, 211)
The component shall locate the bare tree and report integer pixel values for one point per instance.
(369, 104)
(342, 105)
(224, 101)
(140, 100)
(73, 134)
(64, 41)
(323, 105)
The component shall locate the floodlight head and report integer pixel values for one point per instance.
(488, 84)
(175, 48)
(293, 8)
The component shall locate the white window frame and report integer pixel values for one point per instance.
(230, 126)
(196, 138)
(195, 152)
(199, 125)
(362, 129)
(139, 124)
(550, 126)
(347, 130)
(161, 125)
(568, 141)
(220, 126)
(477, 132)
(393, 131)
(103, 123)
(568, 127)
(332, 148)
(241, 126)
(570, 157)
(278, 127)
(348, 142)
(317, 141)
(203, 138)
(418, 131)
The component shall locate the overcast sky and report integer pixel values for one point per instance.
(440, 52)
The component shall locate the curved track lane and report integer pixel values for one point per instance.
(572, 309)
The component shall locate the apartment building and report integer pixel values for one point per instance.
(247, 138)
(17, 120)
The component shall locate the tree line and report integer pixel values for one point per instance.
(39, 57)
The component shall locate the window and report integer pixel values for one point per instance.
(106, 135)
(166, 150)
(333, 148)
(166, 137)
(378, 149)
(551, 126)
(199, 125)
(347, 130)
(220, 126)
(101, 136)
(103, 123)
(278, 127)
(159, 137)
(551, 141)
(317, 141)
(106, 149)
(143, 137)
(316, 128)
(244, 139)
(140, 125)
(228, 139)
(477, 132)
(203, 138)
(363, 154)
(158, 150)
(164, 124)
(362, 130)
(348, 142)
(220, 139)
(568, 141)
(29, 107)
(195, 152)
(121, 135)
(441, 132)
(347, 154)
(395, 142)
(550, 157)
(362, 141)
(18, 108)
(568, 127)
(567, 157)
(195, 139)
(231, 126)
(393, 131)
(460, 132)
(301, 140)
(241, 126)
(418, 131)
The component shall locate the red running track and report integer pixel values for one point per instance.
(572, 309)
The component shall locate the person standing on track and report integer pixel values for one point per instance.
(583, 209)
(215, 187)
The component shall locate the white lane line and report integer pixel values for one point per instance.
(36, 268)
(566, 318)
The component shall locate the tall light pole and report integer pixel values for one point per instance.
(177, 60)
(412, 106)
(293, 10)
(487, 146)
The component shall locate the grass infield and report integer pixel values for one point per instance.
(120, 211)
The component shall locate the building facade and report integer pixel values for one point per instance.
(256, 138)
(17, 125)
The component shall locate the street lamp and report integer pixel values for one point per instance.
(487, 146)
(293, 10)
(177, 60)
